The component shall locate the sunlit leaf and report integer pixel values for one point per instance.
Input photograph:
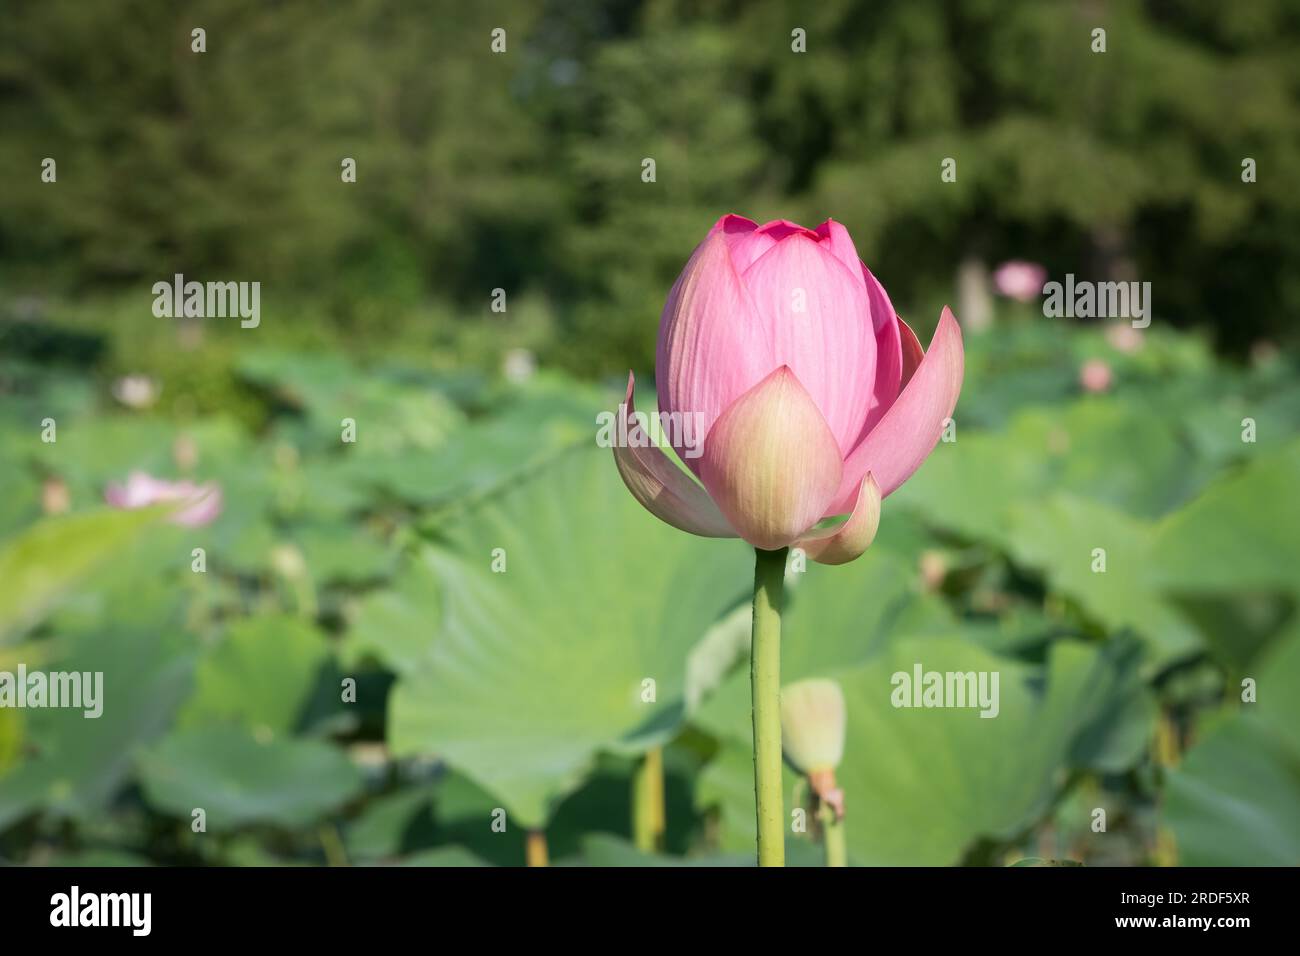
(536, 668)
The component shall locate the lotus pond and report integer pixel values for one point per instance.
(457, 640)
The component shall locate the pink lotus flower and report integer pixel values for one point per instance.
(1124, 338)
(814, 398)
(1095, 376)
(1019, 280)
(142, 490)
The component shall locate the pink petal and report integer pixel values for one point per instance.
(747, 245)
(711, 347)
(910, 429)
(884, 324)
(663, 489)
(205, 509)
(118, 496)
(744, 241)
(836, 240)
(889, 352)
(829, 344)
(139, 490)
(782, 229)
(771, 463)
(843, 543)
(200, 504)
(912, 353)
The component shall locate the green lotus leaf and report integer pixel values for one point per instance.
(577, 643)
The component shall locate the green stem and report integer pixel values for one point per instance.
(648, 817)
(332, 844)
(1166, 741)
(535, 852)
(765, 684)
(837, 853)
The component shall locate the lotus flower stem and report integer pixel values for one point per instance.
(535, 849)
(837, 853)
(765, 683)
(648, 816)
(332, 844)
(1166, 741)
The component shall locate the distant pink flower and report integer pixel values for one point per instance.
(1019, 280)
(519, 365)
(1124, 338)
(1095, 376)
(142, 490)
(813, 398)
(136, 391)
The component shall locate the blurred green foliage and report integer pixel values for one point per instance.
(522, 170)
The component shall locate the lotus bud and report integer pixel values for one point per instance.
(807, 398)
(812, 725)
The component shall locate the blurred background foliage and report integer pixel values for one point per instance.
(522, 691)
(522, 171)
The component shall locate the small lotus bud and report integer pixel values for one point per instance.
(812, 725)
(185, 452)
(55, 499)
(288, 561)
(519, 365)
(934, 569)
